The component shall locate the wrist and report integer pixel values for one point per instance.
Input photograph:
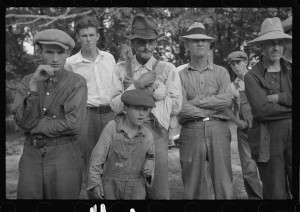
(32, 85)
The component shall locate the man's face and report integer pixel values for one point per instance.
(55, 56)
(136, 114)
(144, 48)
(239, 67)
(88, 38)
(197, 47)
(272, 49)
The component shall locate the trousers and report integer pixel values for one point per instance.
(203, 142)
(50, 172)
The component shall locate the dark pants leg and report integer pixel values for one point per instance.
(160, 184)
(275, 172)
(251, 179)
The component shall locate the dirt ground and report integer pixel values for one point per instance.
(14, 148)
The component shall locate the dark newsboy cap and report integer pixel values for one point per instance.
(143, 27)
(237, 55)
(137, 97)
(54, 36)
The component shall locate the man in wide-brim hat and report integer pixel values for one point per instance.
(205, 135)
(160, 79)
(268, 87)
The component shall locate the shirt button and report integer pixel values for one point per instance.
(44, 109)
(54, 117)
(47, 93)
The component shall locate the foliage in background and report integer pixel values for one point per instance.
(231, 27)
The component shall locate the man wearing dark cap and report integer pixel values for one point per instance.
(96, 67)
(50, 107)
(242, 117)
(160, 80)
(122, 162)
(268, 87)
(205, 136)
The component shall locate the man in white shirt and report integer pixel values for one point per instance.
(96, 67)
(160, 79)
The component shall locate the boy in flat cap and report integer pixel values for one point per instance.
(205, 136)
(50, 106)
(242, 117)
(158, 78)
(96, 67)
(268, 87)
(122, 161)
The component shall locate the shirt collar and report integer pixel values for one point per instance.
(81, 59)
(148, 65)
(57, 77)
(121, 128)
(208, 67)
(263, 66)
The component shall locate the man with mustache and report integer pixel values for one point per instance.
(158, 78)
(96, 67)
(268, 87)
(50, 106)
(205, 136)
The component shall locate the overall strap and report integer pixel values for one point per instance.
(155, 65)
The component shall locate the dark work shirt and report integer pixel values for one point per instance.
(259, 83)
(56, 109)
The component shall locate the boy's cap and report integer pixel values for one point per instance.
(54, 36)
(137, 97)
(237, 55)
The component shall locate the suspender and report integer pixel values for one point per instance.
(129, 67)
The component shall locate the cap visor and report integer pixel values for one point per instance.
(196, 36)
(54, 43)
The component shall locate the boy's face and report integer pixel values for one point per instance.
(136, 114)
(88, 38)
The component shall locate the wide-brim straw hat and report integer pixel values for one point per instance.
(271, 29)
(287, 24)
(143, 27)
(197, 31)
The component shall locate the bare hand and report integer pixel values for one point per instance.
(127, 82)
(147, 172)
(242, 124)
(42, 73)
(145, 80)
(273, 98)
(98, 192)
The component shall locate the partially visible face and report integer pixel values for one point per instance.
(55, 56)
(273, 49)
(136, 114)
(197, 47)
(88, 38)
(144, 48)
(239, 67)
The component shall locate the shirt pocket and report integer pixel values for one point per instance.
(120, 160)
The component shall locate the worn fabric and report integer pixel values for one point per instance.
(53, 172)
(55, 110)
(165, 72)
(205, 93)
(257, 87)
(200, 143)
(94, 124)
(270, 135)
(242, 109)
(98, 75)
(121, 160)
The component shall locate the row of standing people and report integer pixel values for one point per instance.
(57, 111)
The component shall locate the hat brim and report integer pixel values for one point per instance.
(270, 36)
(54, 43)
(130, 36)
(196, 36)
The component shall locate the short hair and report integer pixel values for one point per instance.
(86, 22)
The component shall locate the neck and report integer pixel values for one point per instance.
(199, 62)
(130, 126)
(92, 54)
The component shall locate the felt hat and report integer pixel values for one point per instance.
(54, 36)
(137, 97)
(143, 27)
(271, 29)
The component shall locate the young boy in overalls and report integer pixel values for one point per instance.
(122, 162)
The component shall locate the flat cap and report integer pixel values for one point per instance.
(237, 55)
(54, 36)
(137, 97)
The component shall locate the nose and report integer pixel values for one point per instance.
(55, 57)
